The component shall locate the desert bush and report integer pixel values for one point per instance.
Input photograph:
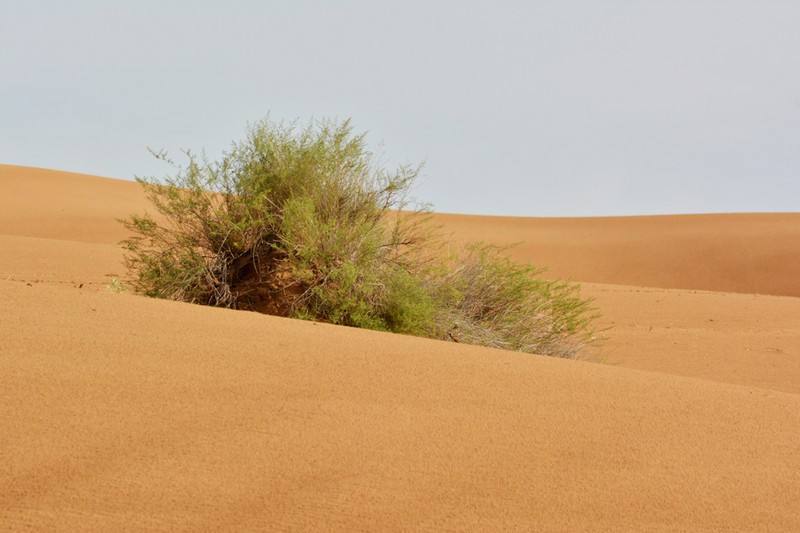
(304, 223)
(487, 299)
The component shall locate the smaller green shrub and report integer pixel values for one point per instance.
(488, 299)
(116, 285)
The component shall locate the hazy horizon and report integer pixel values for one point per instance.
(517, 108)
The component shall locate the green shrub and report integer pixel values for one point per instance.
(304, 223)
(487, 299)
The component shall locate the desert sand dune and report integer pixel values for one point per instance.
(129, 413)
(125, 413)
(62, 205)
(735, 338)
(743, 252)
(37, 260)
(61, 227)
(749, 253)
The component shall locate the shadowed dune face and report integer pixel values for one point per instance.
(126, 413)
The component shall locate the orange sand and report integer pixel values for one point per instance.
(125, 413)
(750, 253)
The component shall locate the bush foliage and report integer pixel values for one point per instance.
(304, 223)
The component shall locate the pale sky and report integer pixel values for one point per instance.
(562, 107)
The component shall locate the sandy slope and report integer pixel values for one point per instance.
(120, 412)
(735, 338)
(61, 227)
(128, 413)
(62, 205)
(750, 253)
(37, 260)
